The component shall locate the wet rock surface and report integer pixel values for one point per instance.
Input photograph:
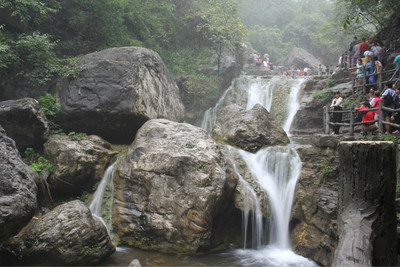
(313, 226)
(299, 58)
(249, 130)
(24, 122)
(170, 188)
(80, 163)
(367, 227)
(118, 91)
(67, 235)
(17, 189)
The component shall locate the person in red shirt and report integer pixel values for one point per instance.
(368, 118)
(363, 47)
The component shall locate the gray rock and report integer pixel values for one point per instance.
(299, 58)
(367, 218)
(119, 90)
(135, 263)
(249, 130)
(325, 140)
(17, 189)
(24, 122)
(79, 164)
(67, 235)
(169, 188)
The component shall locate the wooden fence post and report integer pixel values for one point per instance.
(380, 81)
(352, 120)
(327, 120)
(381, 117)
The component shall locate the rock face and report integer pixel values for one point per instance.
(119, 90)
(313, 227)
(79, 163)
(229, 69)
(68, 235)
(309, 117)
(17, 189)
(249, 130)
(299, 58)
(24, 122)
(169, 189)
(367, 208)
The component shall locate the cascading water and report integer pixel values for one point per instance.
(276, 170)
(101, 205)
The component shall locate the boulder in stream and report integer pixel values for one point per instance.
(80, 163)
(250, 130)
(67, 235)
(170, 188)
(118, 90)
(17, 189)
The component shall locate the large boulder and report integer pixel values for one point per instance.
(24, 122)
(67, 235)
(80, 163)
(118, 90)
(299, 58)
(169, 189)
(250, 130)
(17, 189)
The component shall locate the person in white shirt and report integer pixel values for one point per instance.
(337, 106)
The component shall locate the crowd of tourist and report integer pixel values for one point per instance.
(367, 60)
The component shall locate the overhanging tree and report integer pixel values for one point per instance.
(220, 24)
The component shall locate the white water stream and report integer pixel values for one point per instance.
(98, 201)
(276, 170)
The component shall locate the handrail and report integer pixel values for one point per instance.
(352, 124)
(379, 80)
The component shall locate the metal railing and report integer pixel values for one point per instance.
(352, 124)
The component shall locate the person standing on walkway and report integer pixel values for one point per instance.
(337, 106)
(390, 99)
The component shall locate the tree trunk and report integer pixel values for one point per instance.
(367, 213)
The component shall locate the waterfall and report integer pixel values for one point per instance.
(293, 104)
(210, 116)
(261, 92)
(250, 205)
(101, 205)
(276, 170)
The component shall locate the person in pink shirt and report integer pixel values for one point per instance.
(375, 104)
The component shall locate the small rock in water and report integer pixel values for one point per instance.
(135, 263)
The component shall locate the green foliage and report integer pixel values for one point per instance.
(77, 136)
(327, 169)
(365, 16)
(331, 82)
(201, 91)
(277, 26)
(324, 96)
(49, 105)
(220, 25)
(391, 138)
(189, 145)
(37, 162)
(84, 197)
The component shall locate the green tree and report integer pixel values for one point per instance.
(365, 16)
(220, 24)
